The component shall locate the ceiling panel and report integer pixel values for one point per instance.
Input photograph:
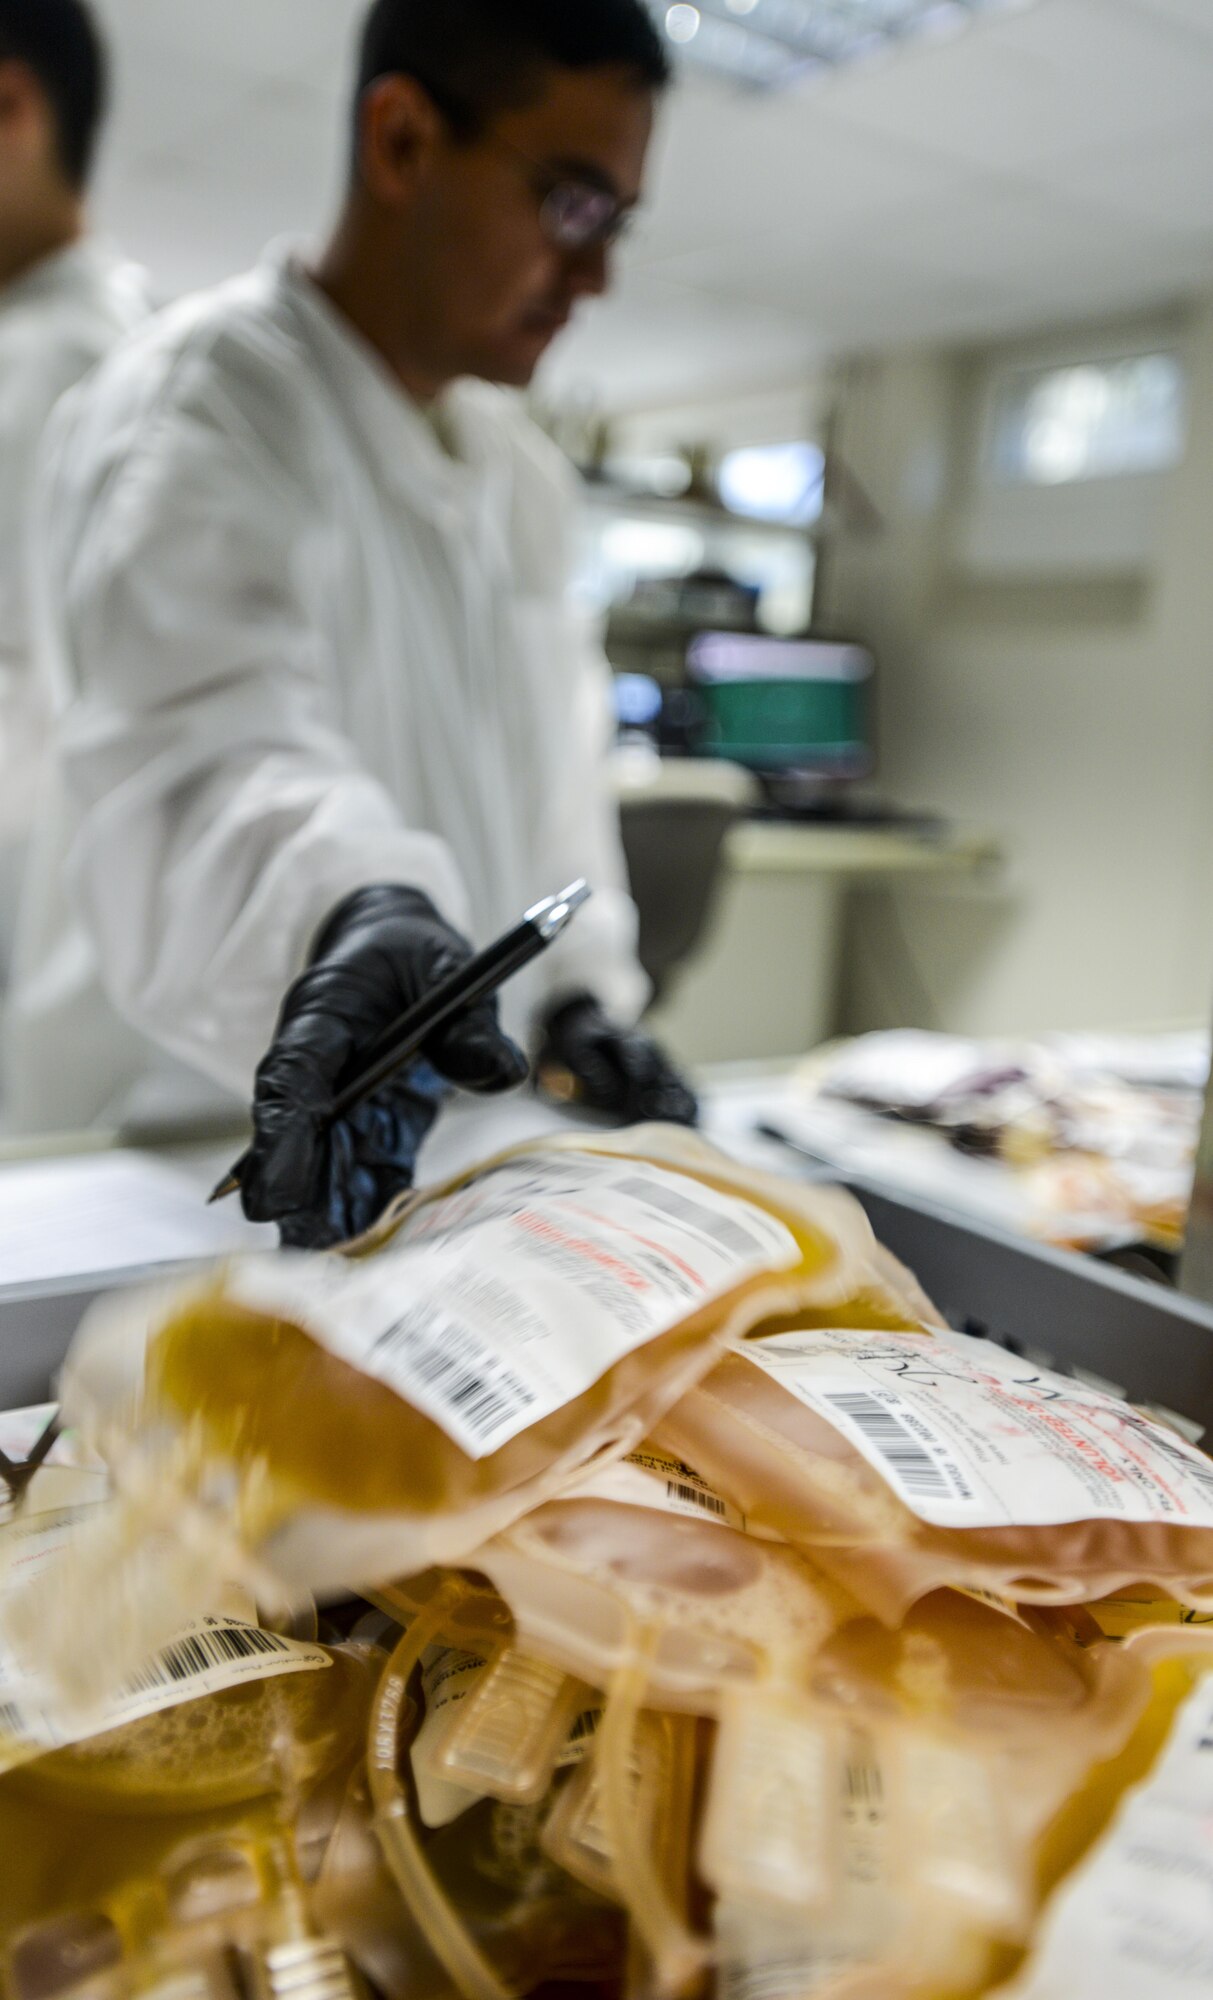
(867, 291)
(1165, 188)
(251, 38)
(1028, 87)
(728, 164)
(1196, 16)
(657, 341)
(1049, 164)
(158, 102)
(204, 229)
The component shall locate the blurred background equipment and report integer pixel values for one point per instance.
(911, 348)
(675, 847)
(799, 713)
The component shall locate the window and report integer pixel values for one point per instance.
(1072, 455)
(1092, 420)
(775, 482)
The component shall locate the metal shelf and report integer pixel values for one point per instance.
(616, 500)
(1057, 1309)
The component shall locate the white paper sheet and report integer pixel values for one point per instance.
(92, 1216)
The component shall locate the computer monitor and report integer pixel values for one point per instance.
(786, 707)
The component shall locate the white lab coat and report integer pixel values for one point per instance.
(56, 322)
(298, 649)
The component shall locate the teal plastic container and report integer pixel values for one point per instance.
(786, 724)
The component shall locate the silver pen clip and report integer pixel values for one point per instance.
(555, 913)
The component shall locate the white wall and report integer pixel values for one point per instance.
(1074, 717)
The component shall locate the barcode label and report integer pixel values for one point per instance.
(653, 1479)
(448, 1359)
(210, 1655)
(504, 1301)
(863, 1783)
(913, 1465)
(218, 1647)
(724, 1230)
(693, 1496)
(970, 1436)
(580, 1739)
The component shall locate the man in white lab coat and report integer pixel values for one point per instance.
(327, 710)
(64, 300)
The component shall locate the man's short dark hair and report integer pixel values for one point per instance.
(477, 57)
(58, 40)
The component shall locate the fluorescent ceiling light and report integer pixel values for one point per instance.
(774, 43)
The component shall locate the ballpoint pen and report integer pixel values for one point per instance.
(483, 975)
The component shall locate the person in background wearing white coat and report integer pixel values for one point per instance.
(64, 300)
(327, 709)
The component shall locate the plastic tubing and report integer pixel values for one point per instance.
(435, 1916)
(677, 1955)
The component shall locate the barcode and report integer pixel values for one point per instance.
(897, 1445)
(723, 1230)
(579, 1739)
(710, 1502)
(218, 1647)
(864, 1783)
(12, 1719)
(452, 1362)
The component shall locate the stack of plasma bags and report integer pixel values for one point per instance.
(612, 1575)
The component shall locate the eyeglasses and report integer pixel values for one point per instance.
(574, 215)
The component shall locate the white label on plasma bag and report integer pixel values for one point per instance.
(971, 1437)
(1135, 1922)
(660, 1483)
(505, 1301)
(208, 1655)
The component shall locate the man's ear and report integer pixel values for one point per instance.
(20, 93)
(400, 128)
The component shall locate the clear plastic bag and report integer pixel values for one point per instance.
(690, 1617)
(222, 1917)
(485, 1902)
(312, 1424)
(956, 1743)
(972, 1727)
(83, 1823)
(846, 1444)
(1129, 1859)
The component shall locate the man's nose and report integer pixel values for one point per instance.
(590, 271)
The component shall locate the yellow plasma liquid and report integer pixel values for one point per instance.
(80, 1824)
(262, 1393)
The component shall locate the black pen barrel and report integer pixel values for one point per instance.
(481, 977)
(405, 1040)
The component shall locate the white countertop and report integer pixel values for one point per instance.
(784, 847)
(115, 1210)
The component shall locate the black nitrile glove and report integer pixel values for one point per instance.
(618, 1071)
(379, 953)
